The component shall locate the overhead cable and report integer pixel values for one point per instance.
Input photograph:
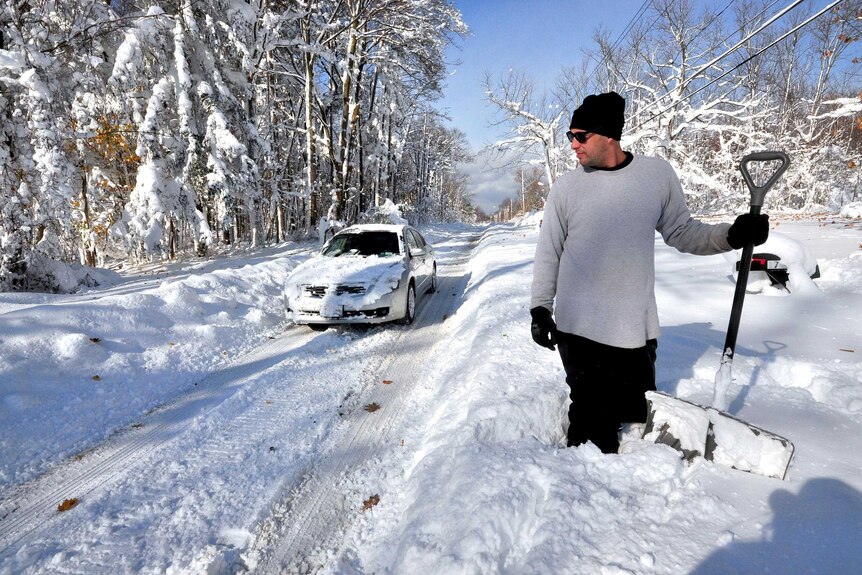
(753, 56)
(622, 34)
(702, 69)
(771, 44)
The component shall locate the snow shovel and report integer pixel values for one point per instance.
(698, 430)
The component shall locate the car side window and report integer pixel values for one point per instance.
(419, 239)
(411, 240)
(420, 242)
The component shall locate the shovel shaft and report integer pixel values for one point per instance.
(719, 437)
(739, 296)
(758, 193)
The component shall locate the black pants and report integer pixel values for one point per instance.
(607, 386)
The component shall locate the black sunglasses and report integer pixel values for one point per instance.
(581, 137)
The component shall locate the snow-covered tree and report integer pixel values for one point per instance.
(366, 68)
(534, 122)
(707, 83)
(197, 136)
(158, 127)
(51, 54)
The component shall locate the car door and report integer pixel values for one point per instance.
(419, 258)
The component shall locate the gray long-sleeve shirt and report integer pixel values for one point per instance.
(596, 250)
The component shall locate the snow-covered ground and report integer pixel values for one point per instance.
(194, 370)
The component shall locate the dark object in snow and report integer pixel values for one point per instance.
(709, 431)
(67, 504)
(370, 502)
(774, 269)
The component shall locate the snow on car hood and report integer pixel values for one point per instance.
(378, 274)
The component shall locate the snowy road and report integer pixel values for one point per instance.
(308, 523)
(273, 463)
(31, 506)
(264, 439)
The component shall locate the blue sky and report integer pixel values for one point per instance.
(538, 36)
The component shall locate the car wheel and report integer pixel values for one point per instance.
(318, 326)
(410, 311)
(433, 287)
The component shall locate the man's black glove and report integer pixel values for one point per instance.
(748, 229)
(543, 327)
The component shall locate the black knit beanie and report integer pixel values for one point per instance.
(602, 114)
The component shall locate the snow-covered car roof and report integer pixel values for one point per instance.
(374, 228)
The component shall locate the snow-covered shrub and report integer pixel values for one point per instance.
(386, 213)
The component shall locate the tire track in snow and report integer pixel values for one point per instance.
(28, 512)
(32, 506)
(312, 518)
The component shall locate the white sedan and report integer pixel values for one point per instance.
(368, 273)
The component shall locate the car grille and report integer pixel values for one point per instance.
(349, 289)
(315, 291)
(340, 289)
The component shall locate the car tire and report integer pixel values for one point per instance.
(433, 287)
(410, 308)
(318, 326)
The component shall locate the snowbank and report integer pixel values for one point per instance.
(75, 368)
(489, 488)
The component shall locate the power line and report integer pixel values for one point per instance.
(631, 23)
(750, 58)
(773, 43)
(753, 18)
(713, 19)
(702, 69)
(622, 35)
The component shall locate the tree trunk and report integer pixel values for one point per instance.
(310, 149)
(87, 248)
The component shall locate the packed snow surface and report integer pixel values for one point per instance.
(479, 480)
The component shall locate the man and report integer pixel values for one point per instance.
(594, 269)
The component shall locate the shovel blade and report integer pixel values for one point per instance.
(678, 423)
(735, 443)
(700, 431)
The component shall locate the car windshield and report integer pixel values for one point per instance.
(368, 243)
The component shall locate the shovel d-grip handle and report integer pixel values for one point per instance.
(758, 193)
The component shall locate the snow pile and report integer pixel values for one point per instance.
(534, 218)
(488, 488)
(391, 211)
(74, 368)
(739, 446)
(801, 265)
(852, 210)
(46, 274)
(386, 213)
(679, 424)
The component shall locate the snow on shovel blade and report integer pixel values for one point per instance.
(680, 424)
(735, 443)
(699, 431)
